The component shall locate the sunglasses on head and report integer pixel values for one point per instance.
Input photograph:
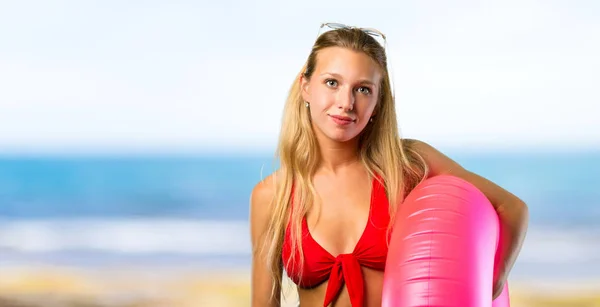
(336, 26)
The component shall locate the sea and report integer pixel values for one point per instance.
(192, 209)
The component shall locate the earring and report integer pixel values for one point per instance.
(371, 119)
(306, 104)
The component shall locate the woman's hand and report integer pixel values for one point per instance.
(498, 287)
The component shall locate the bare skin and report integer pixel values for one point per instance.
(343, 184)
(345, 200)
(260, 209)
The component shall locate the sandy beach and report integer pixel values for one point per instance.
(185, 287)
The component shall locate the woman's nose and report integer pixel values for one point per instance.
(346, 99)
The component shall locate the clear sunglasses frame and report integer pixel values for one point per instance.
(371, 31)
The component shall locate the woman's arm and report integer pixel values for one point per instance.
(260, 204)
(512, 211)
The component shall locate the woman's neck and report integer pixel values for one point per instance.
(337, 156)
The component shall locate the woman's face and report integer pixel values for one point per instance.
(342, 92)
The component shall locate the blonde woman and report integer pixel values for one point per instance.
(324, 216)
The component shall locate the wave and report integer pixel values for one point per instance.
(126, 236)
(214, 238)
(556, 245)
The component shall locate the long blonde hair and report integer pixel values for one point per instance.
(381, 150)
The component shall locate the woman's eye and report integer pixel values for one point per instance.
(364, 90)
(331, 82)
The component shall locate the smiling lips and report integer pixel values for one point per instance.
(342, 120)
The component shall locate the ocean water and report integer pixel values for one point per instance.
(98, 210)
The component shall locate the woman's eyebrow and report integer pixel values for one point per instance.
(362, 81)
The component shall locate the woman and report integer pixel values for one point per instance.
(343, 171)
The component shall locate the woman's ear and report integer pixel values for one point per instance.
(304, 88)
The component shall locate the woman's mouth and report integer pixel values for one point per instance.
(342, 120)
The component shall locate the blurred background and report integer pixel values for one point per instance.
(131, 135)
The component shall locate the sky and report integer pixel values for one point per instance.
(188, 75)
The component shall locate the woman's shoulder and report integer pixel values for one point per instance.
(414, 149)
(261, 198)
(418, 149)
(261, 202)
(415, 144)
(264, 190)
(436, 161)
